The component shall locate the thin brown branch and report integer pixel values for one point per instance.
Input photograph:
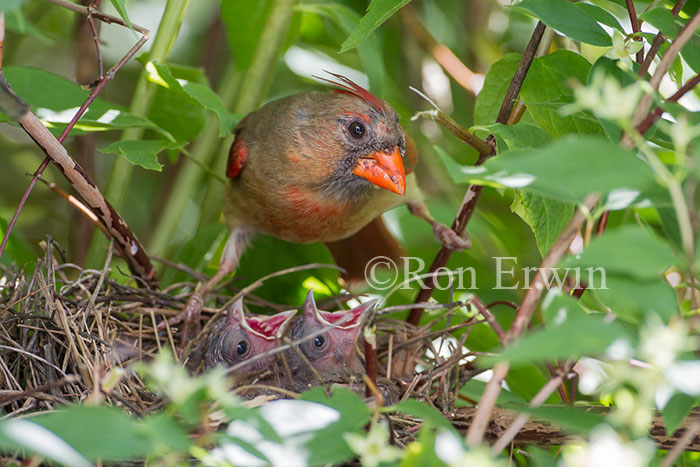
(656, 43)
(689, 435)
(105, 18)
(473, 193)
(635, 26)
(645, 102)
(442, 54)
(490, 319)
(536, 401)
(483, 148)
(545, 434)
(655, 114)
(130, 247)
(11, 104)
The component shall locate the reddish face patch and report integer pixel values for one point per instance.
(237, 157)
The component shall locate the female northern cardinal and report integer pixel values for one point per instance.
(319, 166)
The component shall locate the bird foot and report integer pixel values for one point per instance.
(450, 239)
(189, 316)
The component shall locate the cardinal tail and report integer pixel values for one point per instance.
(360, 249)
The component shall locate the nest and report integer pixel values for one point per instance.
(65, 331)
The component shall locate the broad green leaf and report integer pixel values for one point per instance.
(55, 100)
(17, 251)
(600, 15)
(569, 20)
(140, 152)
(120, 6)
(327, 446)
(634, 299)
(628, 250)
(25, 435)
(496, 83)
(377, 12)
(120, 437)
(369, 51)
(566, 170)
(7, 5)
(520, 135)
(548, 87)
(662, 19)
(575, 337)
(199, 92)
(546, 217)
(676, 409)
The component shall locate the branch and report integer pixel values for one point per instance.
(473, 193)
(665, 63)
(132, 250)
(541, 433)
(472, 82)
(485, 149)
(658, 40)
(635, 26)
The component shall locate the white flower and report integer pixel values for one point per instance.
(606, 448)
(606, 98)
(622, 48)
(374, 448)
(661, 344)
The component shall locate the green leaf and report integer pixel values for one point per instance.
(546, 217)
(593, 334)
(519, 135)
(600, 15)
(369, 51)
(569, 20)
(120, 6)
(120, 437)
(628, 250)
(141, 152)
(55, 100)
(496, 83)
(201, 93)
(377, 12)
(25, 435)
(662, 19)
(548, 87)
(633, 299)
(676, 409)
(328, 445)
(566, 170)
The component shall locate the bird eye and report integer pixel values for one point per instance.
(241, 348)
(356, 130)
(319, 341)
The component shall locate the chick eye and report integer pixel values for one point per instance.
(319, 341)
(241, 348)
(356, 130)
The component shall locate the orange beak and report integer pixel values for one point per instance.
(384, 170)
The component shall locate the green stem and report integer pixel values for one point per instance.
(141, 101)
(250, 94)
(675, 189)
(143, 96)
(189, 179)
